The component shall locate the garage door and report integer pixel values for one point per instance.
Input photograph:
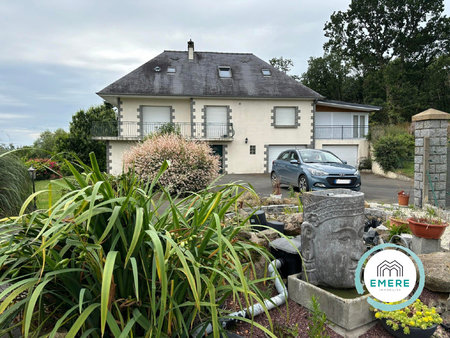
(345, 153)
(274, 151)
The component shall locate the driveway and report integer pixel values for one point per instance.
(376, 188)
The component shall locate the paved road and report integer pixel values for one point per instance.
(376, 188)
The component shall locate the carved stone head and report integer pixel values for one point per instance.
(331, 238)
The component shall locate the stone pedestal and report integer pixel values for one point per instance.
(351, 317)
(430, 161)
(421, 245)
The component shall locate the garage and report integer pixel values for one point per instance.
(275, 150)
(347, 153)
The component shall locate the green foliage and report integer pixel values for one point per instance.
(365, 163)
(317, 321)
(392, 151)
(283, 65)
(286, 330)
(115, 257)
(165, 129)
(371, 33)
(330, 76)
(45, 168)
(415, 315)
(79, 140)
(15, 183)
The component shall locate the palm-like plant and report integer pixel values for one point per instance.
(120, 258)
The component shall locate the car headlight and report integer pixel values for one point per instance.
(317, 172)
(357, 173)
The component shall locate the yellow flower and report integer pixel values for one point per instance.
(418, 313)
(377, 315)
(433, 310)
(412, 323)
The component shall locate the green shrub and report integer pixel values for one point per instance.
(192, 164)
(45, 168)
(115, 258)
(15, 184)
(392, 151)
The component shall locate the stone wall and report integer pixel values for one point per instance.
(430, 161)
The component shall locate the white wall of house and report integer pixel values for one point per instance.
(115, 150)
(252, 119)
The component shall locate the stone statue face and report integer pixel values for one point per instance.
(332, 241)
(337, 251)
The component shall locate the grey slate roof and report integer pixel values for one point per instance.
(200, 78)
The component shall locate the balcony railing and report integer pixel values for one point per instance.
(340, 132)
(130, 129)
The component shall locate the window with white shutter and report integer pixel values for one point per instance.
(285, 117)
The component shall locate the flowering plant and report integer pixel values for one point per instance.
(45, 168)
(415, 315)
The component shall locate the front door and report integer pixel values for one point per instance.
(218, 150)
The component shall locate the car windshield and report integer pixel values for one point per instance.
(317, 156)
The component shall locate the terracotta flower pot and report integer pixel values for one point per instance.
(398, 221)
(403, 198)
(421, 228)
(415, 332)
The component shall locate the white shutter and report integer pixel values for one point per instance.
(285, 116)
(216, 122)
(153, 118)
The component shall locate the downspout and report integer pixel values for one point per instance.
(257, 309)
(313, 143)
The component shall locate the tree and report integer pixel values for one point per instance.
(371, 33)
(79, 140)
(49, 142)
(332, 77)
(283, 65)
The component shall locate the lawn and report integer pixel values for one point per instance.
(53, 195)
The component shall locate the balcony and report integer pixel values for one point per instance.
(340, 132)
(131, 130)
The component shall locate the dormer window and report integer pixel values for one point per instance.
(171, 70)
(225, 71)
(266, 72)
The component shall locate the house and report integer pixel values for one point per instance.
(247, 110)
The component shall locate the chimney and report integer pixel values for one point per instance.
(190, 49)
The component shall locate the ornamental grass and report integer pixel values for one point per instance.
(118, 257)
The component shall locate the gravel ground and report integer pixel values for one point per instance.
(294, 314)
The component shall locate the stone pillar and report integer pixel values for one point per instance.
(430, 157)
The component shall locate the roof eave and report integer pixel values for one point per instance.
(353, 106)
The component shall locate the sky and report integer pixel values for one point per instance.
(56, 54)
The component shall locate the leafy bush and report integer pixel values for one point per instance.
(115, 258)
(15, 184)
(392, 151)
(45, 168)
(365, 163)
(192, 164)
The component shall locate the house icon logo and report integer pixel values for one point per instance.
(389, 275)
(390, 269)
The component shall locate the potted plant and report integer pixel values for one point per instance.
(276, 188)
(429, 226)
(415, 320)
(399, 218)
(403, 198)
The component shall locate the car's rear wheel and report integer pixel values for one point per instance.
(303, 183)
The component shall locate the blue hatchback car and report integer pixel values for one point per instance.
(312, 169)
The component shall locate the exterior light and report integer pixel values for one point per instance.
(32, 172)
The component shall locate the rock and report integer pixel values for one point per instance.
(437, 271)
(268, 234)
(366, 204)
(254, 238)
(293, 224)
(446, 318)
